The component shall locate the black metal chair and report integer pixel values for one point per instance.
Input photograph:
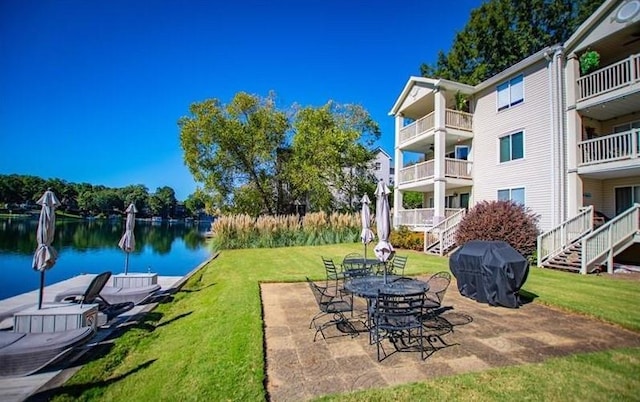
(399, 319)
(396, 267)
(438, 285)
(354, 265)
(333, 274)
(333, 305)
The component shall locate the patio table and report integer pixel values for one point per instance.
(369, 287)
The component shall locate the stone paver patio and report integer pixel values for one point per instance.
(483, 337)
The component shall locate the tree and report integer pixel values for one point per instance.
(254, 158)
(227, 147)
(330, 153)
(195, 203)
(137, 194)
(502, 32)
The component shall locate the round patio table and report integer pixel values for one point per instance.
(369, 286)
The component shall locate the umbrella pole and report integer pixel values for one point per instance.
(126, 263)
(41, 289)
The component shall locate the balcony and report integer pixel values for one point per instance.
(615, 151)
(454, 169)
(615, 81)
(420, 218)
(454, 119)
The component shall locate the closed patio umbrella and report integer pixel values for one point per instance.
(365, 214)
(45, 256)
(383, 249)
(128, 241)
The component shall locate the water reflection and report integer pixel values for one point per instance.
(19, 235)
(92, 247)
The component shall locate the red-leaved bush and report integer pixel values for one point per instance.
(501, 220)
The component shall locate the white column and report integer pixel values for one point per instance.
(440, 133)
(574, 135)
(398, 162)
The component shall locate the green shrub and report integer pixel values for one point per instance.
(501, 220)
(403, 238)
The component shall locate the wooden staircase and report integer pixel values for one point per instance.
(570, 259)
(577, 246)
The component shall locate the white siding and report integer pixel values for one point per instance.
(533, 117)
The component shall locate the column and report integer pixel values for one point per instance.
(574, 135)
(398, 162)
(440, 133)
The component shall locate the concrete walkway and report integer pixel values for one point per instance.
(483, 337)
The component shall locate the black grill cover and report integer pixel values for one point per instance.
(489, 272)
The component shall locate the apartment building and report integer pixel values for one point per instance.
(563, 143)
(382, 168)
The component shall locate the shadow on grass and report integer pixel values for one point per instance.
(526, 297)
(195, 289)
(76, 390)
(146, 326)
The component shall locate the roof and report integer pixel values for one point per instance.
(590, 23)
(429, 82)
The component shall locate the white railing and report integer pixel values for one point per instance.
(420, 217)
(415, 217)
(453, 119)
(617, 75)
(416, 128)
(625, 145)
(456, 168)
(459, 120)
(444, 232)
(600, 245)
(557, 239)
(419, 171)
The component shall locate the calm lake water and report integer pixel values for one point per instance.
(92, 247)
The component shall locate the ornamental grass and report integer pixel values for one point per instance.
(267, 231)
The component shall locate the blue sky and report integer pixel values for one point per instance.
(91, 91)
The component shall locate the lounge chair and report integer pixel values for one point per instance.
(23, 354)
(92, 294)
(113, 295)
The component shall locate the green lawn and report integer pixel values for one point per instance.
(207, 344)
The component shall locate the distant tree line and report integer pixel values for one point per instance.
(20, 192)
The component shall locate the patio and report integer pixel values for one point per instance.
(483, 337)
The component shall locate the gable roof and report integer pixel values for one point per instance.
(590, 23)
(428, 82)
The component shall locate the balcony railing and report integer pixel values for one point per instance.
(617, 75)
(453, 119)
(420, 217)
(610, 148)
(454, 168)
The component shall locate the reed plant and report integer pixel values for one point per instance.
(267, 231)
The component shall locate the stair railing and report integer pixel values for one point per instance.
(557, 239)
(444, 232)
(600, 245)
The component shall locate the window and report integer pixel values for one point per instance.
(626, 127)
(511, 93)
(626, 197)
(377, 165)
(462, 152)
(513, 194)
(512, 147)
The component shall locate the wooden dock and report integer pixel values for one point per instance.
(20, 388)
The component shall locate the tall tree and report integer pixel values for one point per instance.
(230, 146)
(247, 152)
(502, 32)
(330, 153)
